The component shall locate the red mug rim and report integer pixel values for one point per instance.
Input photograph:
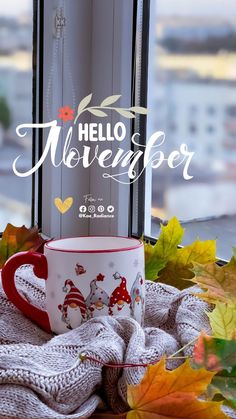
(123, 249)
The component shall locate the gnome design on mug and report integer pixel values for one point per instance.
(74, 308)
(120, 299)
(137, 297)
(98, 300)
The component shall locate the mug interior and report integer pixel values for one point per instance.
(94, 244)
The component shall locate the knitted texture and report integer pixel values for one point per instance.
(42, 376)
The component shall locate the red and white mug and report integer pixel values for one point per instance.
(85, 277)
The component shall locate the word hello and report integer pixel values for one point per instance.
(71, 156)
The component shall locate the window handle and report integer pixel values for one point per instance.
(60, 22)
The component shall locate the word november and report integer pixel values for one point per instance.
(149, 154)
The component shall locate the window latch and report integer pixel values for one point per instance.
(60, 22)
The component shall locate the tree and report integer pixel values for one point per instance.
(5, 115)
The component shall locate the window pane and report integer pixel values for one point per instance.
(16, 21)
(192, 95)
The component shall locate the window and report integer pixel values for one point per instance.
(190, 61)
(72, 62)
(16, 21)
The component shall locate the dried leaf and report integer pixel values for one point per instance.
(172, 394)
(84, 102)
(139, 109)
(98, 113)
(125, 113)
(110, 100)
(218, 282)
(223, 321)
(18, 239)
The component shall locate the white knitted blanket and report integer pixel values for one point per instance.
(42, 377)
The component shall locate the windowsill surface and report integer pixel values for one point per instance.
(223, 229)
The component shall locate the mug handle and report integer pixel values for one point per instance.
(40, 268)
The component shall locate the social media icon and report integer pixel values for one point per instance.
(91, 208)
(82, 208)
(101, 208)
(110, 208)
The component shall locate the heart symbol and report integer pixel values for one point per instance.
(63, 206)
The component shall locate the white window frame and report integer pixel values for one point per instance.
(98, 46)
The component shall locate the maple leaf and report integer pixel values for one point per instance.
(172, 394)
(218, 282)
(179, 267)
(18, 239)
(223, 321)
(156, 256)
(219, 355)
(222, 350)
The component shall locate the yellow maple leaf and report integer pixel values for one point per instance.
(223, 321)
(172, 394)
(158, 254)
(217, 282)
(180, 266)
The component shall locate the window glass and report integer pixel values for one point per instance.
(16, 19)
(192, 98)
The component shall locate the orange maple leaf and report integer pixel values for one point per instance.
(172, 394)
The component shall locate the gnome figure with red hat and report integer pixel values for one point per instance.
(97, 300)
(137, 297)
(120, 299)
(73, 308)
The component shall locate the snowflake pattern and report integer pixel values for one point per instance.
(52, 294)
(136, 263)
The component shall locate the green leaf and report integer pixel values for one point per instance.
(125, 114)
(139, 109)
(98, 113)
(215, 354)
(110, 100)
(84, 102)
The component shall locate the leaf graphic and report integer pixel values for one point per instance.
(97, 112)
(110, 100)
(84, 102)
(179, 266)
(125, 113)
(223, 321)
(218, 282)
(172, 394)
(139, 109)
(18, 239)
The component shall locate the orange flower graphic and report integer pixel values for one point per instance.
(66, 113)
